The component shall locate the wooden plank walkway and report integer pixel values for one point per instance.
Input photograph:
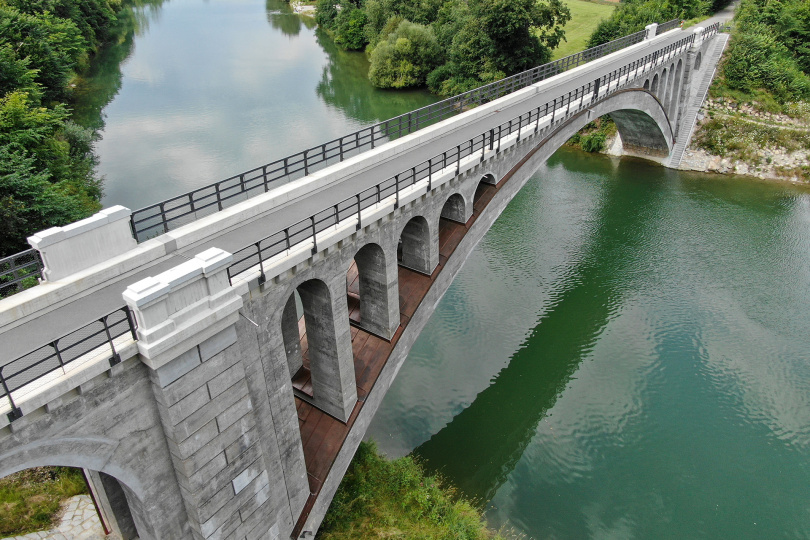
(321, 434)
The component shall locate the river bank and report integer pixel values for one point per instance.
(744, 139)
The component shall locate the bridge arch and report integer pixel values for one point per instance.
(639, 116)
(677, 86)
(654, 86)
(455, 208)
(95, 454)
(317, 342)
(418, 247)
(371, 285)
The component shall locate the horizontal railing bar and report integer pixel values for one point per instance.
(313, 158)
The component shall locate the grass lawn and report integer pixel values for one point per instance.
(29, 499)
(584, 18)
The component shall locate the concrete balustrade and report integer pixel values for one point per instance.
(84, 244)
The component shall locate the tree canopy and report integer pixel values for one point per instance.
(449, 45)
(47, 165)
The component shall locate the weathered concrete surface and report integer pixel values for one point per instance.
(110, 424)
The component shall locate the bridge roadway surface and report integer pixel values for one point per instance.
(41, 328)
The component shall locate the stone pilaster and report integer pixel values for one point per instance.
(187, 336)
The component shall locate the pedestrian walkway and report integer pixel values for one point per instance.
(79, 521)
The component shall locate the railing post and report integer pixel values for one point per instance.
(396, 185)
(287, 237)
(131, 322)
(378, 194)
(372, 137)
(314, 236)
(491, 139)
(262, 277)
(458, 160)
(430, 175)
(498, 151)
(306, 165)
(15, 412)
(341, 149)
(359, 215)
(55, 345)
(219, 198)
(264, 178)
(163, 213)
(115, 358)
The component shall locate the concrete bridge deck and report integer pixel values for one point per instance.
(337, 183)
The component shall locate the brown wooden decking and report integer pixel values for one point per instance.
(323, 435)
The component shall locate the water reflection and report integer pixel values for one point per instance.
(344, 84)
(96, 88)
(198, 92)
(508, 411)
(282, 17)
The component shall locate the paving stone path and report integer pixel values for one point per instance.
(79, 522)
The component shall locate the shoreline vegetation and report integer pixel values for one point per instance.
(31, 500)
(756, 121)
(47, 165)
(381, 498)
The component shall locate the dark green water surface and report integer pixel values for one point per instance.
(625, 355)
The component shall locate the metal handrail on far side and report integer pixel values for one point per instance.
(19, 271)
(308, 229)
(161, 217)
(98, 338)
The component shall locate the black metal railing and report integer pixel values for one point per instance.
(97, 338)
(19, 272)
(553, 112)
(161, 217)
(667, 26)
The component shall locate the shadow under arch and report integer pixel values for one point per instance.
(529, 386)
(640, 117)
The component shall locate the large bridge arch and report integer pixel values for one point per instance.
(640, 118)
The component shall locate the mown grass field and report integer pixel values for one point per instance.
(584, 18)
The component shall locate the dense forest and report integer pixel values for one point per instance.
(47, 167)
(449, 45)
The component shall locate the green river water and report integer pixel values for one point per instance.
(624, 355)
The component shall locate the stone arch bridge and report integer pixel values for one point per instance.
(229, 395)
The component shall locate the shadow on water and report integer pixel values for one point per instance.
(503, 418)
(96, 88)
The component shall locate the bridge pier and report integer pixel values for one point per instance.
(188, 338)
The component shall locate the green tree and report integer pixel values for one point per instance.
(350, 28)
(405, 58)
(510, 26)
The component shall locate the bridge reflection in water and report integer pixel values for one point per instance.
(529, 386)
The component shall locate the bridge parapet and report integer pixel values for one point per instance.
(85, 243)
